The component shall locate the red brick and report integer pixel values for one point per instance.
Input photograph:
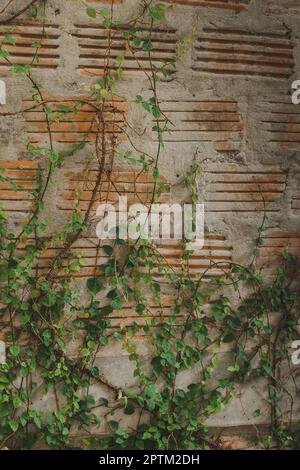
(237, 5)
(24, 174)
(94, 42)
(281, 124)
(26, 33)
(74, 127)
(239, 52)
(217, 122)
(238, 188)
(275, 244)
(79, 185)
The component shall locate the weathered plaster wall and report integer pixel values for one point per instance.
(230, 102)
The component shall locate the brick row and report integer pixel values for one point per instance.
(281, 124)
(94, 42)
(71, 127)
(79, 185)
(29, 40)
(24, 174)
(275, 244)
(238, 52)
(238, 188)
(217, 122)
(211, 260)
(237, 5)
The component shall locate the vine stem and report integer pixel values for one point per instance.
(18, 13)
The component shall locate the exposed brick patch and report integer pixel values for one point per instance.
(281, 124)
(79, 184)
(75, 126)
(88, 248)
(218, 122)
(243, 53)
(94, 43)
(275, 244)
(216, 249)
(155, 312)
(26, 33)
(237, 5)
(24, 175)
(233, 442)
(154, 315)
(239, 188)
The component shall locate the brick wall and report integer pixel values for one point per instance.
(229, 101)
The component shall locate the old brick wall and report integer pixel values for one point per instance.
(230, 102)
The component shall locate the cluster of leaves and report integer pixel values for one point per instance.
(42, 310)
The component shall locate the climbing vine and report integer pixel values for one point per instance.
(43, 310)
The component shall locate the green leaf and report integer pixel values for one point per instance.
(158, 12)
(228, 338)
(95, 371)
(53, 157)
(36, 45)
(137, 41)
(47, 337)
(107, 249)
(4, 380)
(33, 11)
(4, 53)
(84, 352)
(15, 350)
(90, 400)
(37, 422)
(129, 410)
(60, 343)
(106, 310)
(140, 308)
(234, 368)
(103, 93)
(117, 304)
(156, 112)
(13, 425)
(155, 174)
(106, 23)
(20, 69)
(105, 13)
(113, 425)
(103, 401)
(91, 12)
(147, 45)
(10, 39)
(94, 285)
